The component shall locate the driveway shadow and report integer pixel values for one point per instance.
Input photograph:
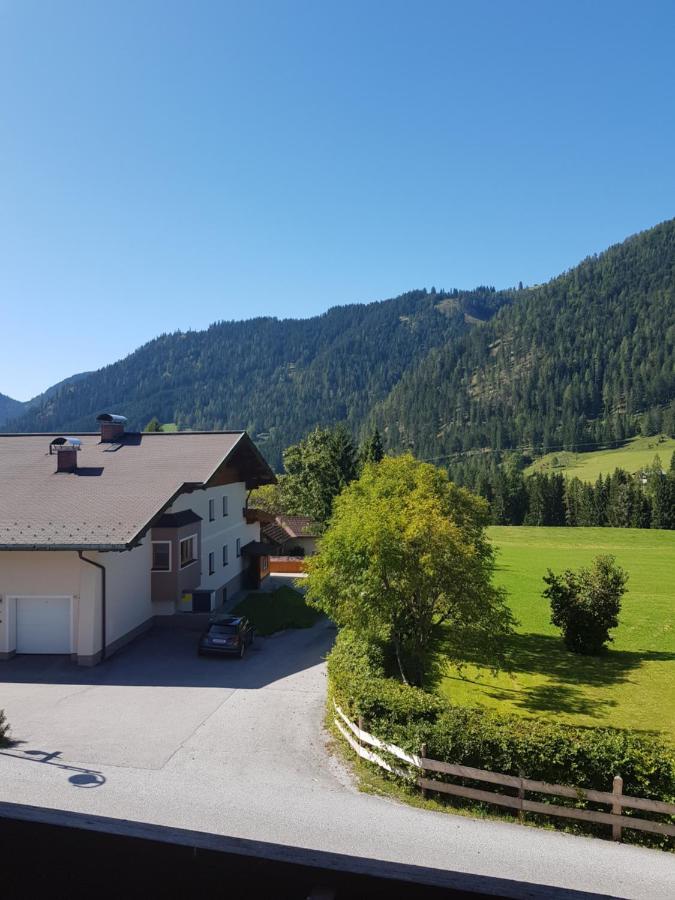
(167, 656)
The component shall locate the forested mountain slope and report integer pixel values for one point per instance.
(9, 408)
(276, 378)
(566, 363)
(586, 358)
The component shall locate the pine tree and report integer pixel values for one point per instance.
(371, 449)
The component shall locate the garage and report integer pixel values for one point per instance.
(43, 624)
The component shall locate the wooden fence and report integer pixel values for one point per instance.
(356, 736)
(293, 565)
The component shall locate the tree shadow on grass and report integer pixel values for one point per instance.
(569, 674)
(555, 698)
(543, 654)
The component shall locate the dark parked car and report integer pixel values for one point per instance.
(227, 635)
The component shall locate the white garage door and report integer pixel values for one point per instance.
(43, 625)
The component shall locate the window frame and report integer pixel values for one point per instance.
(212, 509)
(226, 506)
(226, 555)
(212, 563)
(188, 537)
(169, 568)
(238, 547)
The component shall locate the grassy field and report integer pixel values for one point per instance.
(634, 455)
(630, 686)
(272, 611)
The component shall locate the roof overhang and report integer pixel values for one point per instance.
(257, 548)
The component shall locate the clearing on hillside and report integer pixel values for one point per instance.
(633, 456)
(632, 685)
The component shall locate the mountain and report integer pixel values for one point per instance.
(276, 378)
(12, 409)
(586, 358)
(9, 408)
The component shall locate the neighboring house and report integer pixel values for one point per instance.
(292, 535)
(100, 533)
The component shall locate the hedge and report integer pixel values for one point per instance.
(536, 748)
(4, 729)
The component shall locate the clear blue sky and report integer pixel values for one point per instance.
(167, 164)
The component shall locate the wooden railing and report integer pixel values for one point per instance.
(356, 736)
(292, 565)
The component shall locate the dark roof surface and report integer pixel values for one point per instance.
(177, 520)
(257, 548)
(117, 489)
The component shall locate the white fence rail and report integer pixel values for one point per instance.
(357, 736)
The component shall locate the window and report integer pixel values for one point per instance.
(224, 506)
(212, 510)
(161, 556)
(238, 546)
(226, 554)
(212, 563)
(187, 551)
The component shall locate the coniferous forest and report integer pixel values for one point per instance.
(584, 359)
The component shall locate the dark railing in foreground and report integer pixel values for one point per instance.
(356, 736)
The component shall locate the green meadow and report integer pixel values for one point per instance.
(632, 685)
(634, 455)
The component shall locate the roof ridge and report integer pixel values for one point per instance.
(97, 433)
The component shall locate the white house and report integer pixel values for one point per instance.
(101, 532)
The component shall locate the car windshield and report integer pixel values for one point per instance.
(223, 629)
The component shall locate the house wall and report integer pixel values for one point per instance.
(42, 573)
(168, 587)
(128, 594)
(222, 530)
(36, 574)
(307, 542)
(129, 605)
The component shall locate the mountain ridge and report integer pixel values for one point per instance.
(581, 357)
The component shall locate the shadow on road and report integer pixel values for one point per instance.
(167, 656)
(83, 778)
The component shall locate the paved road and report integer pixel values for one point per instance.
(235, 747)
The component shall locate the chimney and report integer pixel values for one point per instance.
(112, 427)
(66, 449)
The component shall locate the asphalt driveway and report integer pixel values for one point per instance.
(138, 708)
(236, 747)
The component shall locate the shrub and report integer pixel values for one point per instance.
(537, 748)
(4, 729)
(586, 604)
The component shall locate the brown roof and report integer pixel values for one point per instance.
(117, 490)
(298, 526)
(274, 532)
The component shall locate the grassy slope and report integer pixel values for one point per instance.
(633, 685)
(274, 611)
(632, 456)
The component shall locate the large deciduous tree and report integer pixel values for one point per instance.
(405, 560)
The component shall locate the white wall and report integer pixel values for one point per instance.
(128, 596)
(223, 530)
(39, 573)
(35, 574)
